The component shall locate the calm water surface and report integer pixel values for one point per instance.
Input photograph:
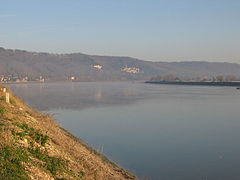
(162, 132)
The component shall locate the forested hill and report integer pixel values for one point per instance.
(18, 64)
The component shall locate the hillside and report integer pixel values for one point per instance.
(33, 146)
(81, 67)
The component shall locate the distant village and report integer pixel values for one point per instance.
(130, 70)
(22, 79)
(19, 79)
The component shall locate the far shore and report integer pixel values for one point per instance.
(197, 83)
(62, 81)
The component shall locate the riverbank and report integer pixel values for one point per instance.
(195, 83)
(34, 146)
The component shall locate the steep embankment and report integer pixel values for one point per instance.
(33, 146)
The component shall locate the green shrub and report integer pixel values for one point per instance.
(81, 174)
(22, 126)
(12, 101)
(39, 137)
(52, 164)
(2, 110)
(11, 167)
(36, 135)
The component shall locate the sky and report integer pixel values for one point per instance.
(156, 30)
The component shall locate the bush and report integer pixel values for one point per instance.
(2, 110)
(11, 167)
(36, 135)
(52, 164)
(81, 174)
(12, 101)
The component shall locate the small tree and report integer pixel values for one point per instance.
(230, 78)
(220, 78)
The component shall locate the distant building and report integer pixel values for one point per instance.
(97, 66)
(132, 70)
(41, 79)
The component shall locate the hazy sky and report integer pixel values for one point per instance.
(157, 30)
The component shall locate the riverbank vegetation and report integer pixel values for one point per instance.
(175, 78)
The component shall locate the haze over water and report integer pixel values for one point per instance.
(157, 131)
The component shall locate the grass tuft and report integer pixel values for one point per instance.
(35, 134)
(2, 98)
(2, 110)
(52, 164)
(11, 163)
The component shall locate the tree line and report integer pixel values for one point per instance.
(218, 78)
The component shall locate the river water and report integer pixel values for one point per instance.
(161, 132)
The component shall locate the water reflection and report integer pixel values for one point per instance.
(76, 96)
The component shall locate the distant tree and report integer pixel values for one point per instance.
(220, 78)
(213, 79)
(230, 78)
(156, 78)
(177, 79)
(169, 77)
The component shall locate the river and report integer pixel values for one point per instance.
(161, 132)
